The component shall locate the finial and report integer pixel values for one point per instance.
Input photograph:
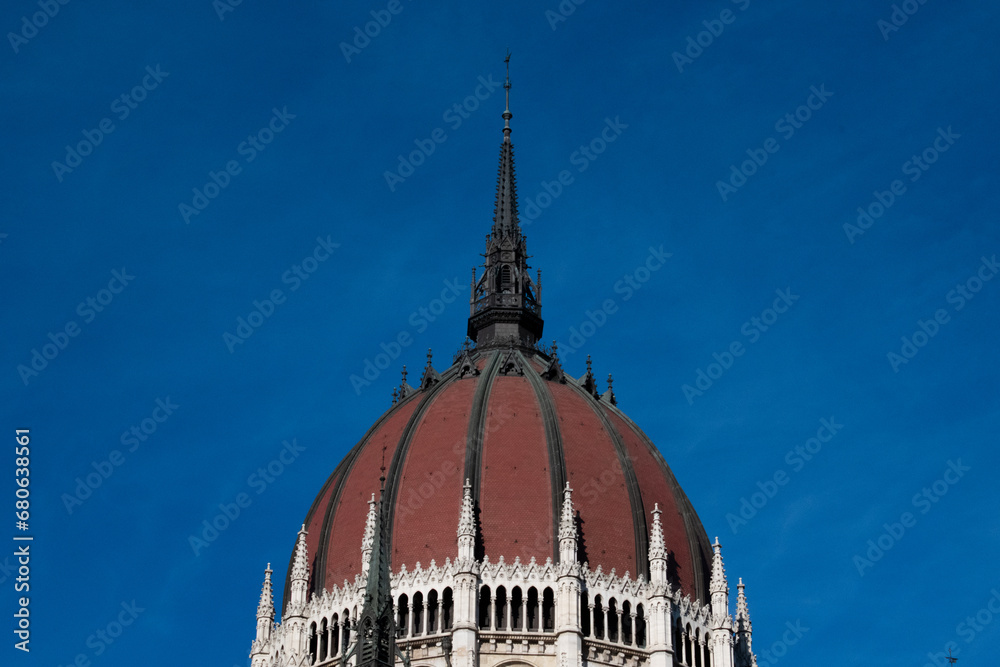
(404, 375)
(588, 363)
(394, 396)
(507, 115)
(428, 357)
(555, 348)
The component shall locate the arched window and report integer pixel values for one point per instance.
(345, 631)
(500, 609)
(687, 645)
(516, 607)
(433, 608)
(598, 617)
(334, 636)
(484, 608)
(585, 613)
(403, 616)
(697, 647)
(612, 620)
(707, 660)
(448, 611)
(532, 611)
(548, 610)
(418, 613)
(626, 623)
(312, 643)
(323, 640)
(640, 626)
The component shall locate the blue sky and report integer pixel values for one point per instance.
(201, 89)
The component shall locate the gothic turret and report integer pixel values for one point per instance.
(265, 622)
(743, 648)
(505, 306)
(722, 623)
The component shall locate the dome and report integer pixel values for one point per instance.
(503, 513)
(519, 429)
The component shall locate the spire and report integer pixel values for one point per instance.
(609, 395)
(376, 637)
(265, 608)
(507, 115)
(657, 550)
(742, 612)
(265, 618)
(743, 648)
(567, 529)
(718, 586)
(467, 525)
(369, 538)
(504, 306)
(505, 213)
(300, 574)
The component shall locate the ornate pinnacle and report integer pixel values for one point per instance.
(429, 355)
(467, 520)
(265, 608)
(657, 545)
(369, 537)
(300, 566)
(718, 582)
(567, 525)
(742, 612)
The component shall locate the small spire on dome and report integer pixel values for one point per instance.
(265, 608)
(718, 581)
(609, 395)
(466, 522)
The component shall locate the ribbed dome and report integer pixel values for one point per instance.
(519, 429)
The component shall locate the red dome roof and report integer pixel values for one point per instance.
(519, 429)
